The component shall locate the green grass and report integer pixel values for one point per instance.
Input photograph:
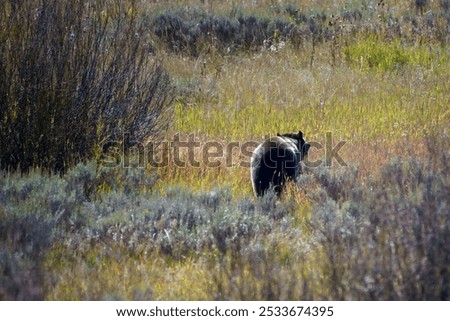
(384, 56)
(357, 120)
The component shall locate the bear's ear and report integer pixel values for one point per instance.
(300, 135)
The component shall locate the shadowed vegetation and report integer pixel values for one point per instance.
(74, 74)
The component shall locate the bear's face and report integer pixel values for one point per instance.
(302, 145)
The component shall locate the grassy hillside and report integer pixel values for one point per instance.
(373, 226)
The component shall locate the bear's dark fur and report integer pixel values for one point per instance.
(277, 160)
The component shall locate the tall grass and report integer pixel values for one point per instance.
(371, 53)
(243, 98)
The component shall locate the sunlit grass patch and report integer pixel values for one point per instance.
(246, 101)
(113, 274)
(360, 121)
(368, 111)
(382, 55)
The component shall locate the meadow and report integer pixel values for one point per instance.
(373, 76)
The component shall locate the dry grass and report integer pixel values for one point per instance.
(247, 97)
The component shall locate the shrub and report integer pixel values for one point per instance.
(380, 237)
(118, 208)
(74, 74)
(192, 31)
(387, 241)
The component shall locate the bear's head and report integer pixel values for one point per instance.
(302, 145)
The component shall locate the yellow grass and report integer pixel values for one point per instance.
(249, 96)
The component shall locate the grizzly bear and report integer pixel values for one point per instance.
(276, 161)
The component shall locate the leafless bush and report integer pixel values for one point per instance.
(74, 74)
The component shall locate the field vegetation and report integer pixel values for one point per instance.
(371, 75)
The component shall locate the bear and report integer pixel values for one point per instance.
(276, 161)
